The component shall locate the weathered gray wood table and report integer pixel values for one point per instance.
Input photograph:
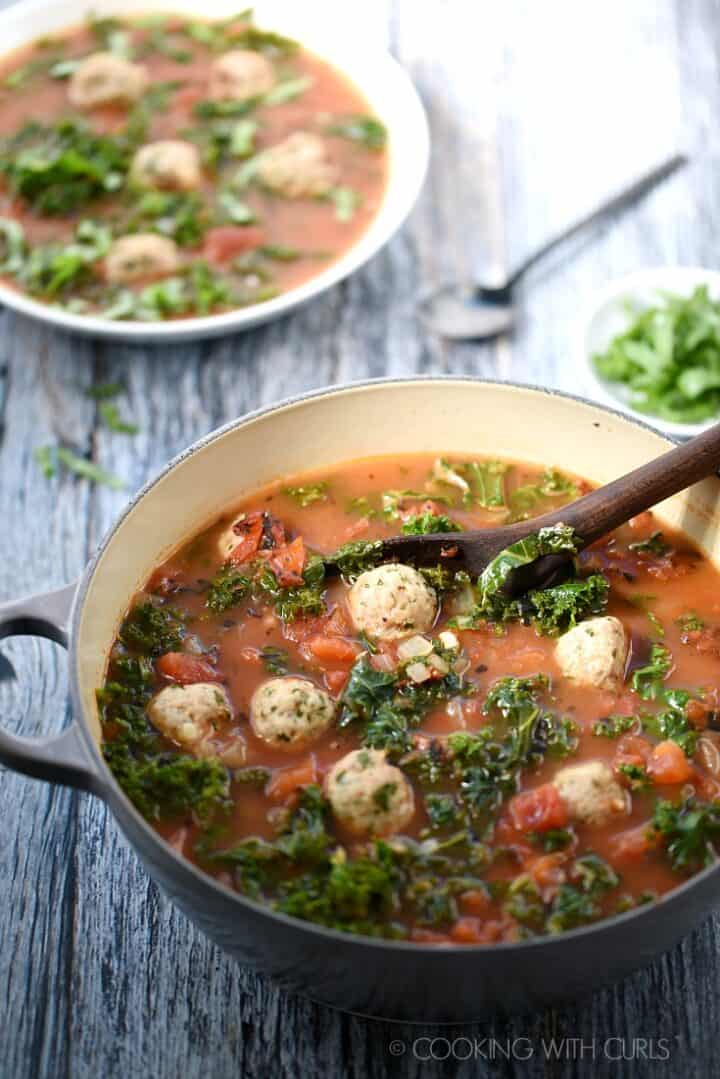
(536, 111)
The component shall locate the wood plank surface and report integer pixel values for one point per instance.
(537, 110)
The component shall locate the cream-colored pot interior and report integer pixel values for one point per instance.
(444, 416)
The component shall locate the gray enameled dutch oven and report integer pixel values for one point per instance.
(383, 978)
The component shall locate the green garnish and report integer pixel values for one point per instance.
(61, 168)
(287, 90)
(51, 458)
(688, 831)
(307, 494)
(613, 726)
(365, 130)
(425, 523)
(110, 416)
(346, 202)
(276, 660)
(648, 681)
(669, 358)
(228, 588)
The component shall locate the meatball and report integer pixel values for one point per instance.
(240, 75)
(392, 601)
(298, 167)
(591, 792)
(170, 164)
(106, 79)
(593, 653)
(289, 713)
(369, 795)
(141, 257)
(189, 714)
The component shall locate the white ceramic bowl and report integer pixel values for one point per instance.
(324, 30)
(605, 316)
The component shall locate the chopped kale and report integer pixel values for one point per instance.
(162, 786)
(636, 775)
(688, 832)
(180, 215)
(654, 545)
(53, 269)
(648, 681)
(690, 622)
(275, 660)
(488, 763)
(426, 523)
(160, 783)
(61, 168)
(672, 722)
(613, 726)
(228, 588)
(557, 609)
(299, 601)
(356, 557)
(255, 776)
(151, 629)
(388, 707)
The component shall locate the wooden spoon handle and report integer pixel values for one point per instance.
(604, 509)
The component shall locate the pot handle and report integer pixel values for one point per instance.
(60, 758)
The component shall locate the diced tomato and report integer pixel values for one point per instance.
(538, 810)
(249, 532)
(632, 844)
(335, 681)
(337, 624)
(642, 520)
(285, 782)
(226, 241)
(668, 764)
(547, 869)
(474, 901)
(509, 834)
(428, 936)
(357, 528)
(468, 930)
(632, 749)
(476, 931)
(697, 714)
(288, 563)
(185, 669)
(332, 652)
(277, 532)
(187, 96)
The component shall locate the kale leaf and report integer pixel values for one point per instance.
(688, 832)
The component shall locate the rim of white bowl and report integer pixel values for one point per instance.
(383, 82)
(670, 278)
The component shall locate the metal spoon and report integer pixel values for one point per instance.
(481, 311)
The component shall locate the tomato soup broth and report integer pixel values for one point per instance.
(239, 220)
(487, 824)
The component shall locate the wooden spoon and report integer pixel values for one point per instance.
(590, 517)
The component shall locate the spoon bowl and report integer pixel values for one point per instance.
(485, 310)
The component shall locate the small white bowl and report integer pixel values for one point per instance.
(605, 316)
(323, 30)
